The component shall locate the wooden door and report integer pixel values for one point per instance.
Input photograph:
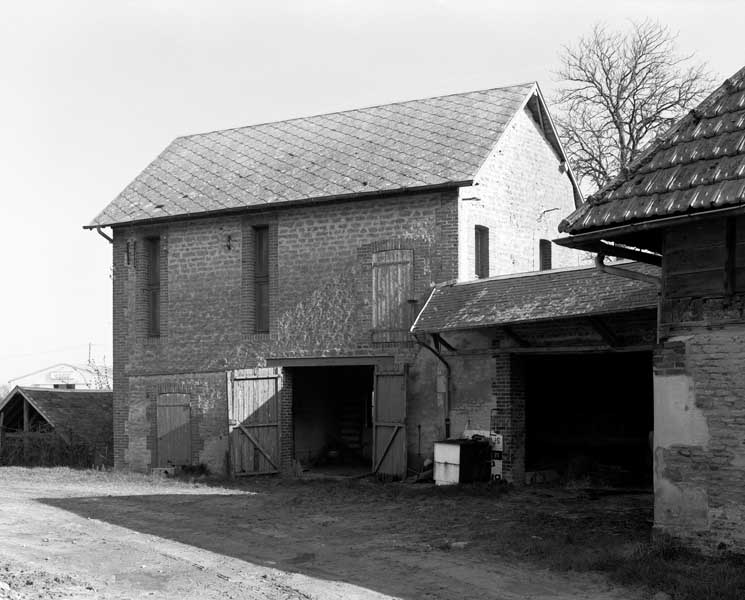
(174, 432)
(389, 425)
(253, 421)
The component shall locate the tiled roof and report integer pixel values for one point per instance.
(697, 165)
(537, 296)
(421, 143)
(86, 413)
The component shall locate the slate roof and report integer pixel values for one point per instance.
(85, 413)
(536, 296)
(698, 165)
(416, 144)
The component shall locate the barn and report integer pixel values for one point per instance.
(41, 426)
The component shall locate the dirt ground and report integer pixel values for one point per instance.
(87, 534)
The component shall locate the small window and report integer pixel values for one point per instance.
(153, 286)
(544, 255)
(481, 248)
(261, 279)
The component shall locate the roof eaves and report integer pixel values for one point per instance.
(549, 319)
(279, 205)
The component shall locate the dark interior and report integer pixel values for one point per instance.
(589, 416)
(13, 416)
(332, 415)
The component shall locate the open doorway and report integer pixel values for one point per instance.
(332, 417)
(589, 417)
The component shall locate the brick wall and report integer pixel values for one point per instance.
(699, 377)
(520, 194)
(320, 302)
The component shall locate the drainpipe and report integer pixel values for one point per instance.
(447, 381)
(629, 274)
(104, 236)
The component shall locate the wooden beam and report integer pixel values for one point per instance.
(510, 333)
(25, 431)
(574, 349)
(603, 331)
(441, 340)
(730, 266)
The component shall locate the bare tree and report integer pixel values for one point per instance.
(617, 91)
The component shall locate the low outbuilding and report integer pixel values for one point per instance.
(41, 426)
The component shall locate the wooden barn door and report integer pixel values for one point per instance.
(174, 430)
(389, 425)
(253, 421)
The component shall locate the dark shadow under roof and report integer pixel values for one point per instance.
(86, 413)
(536, 296)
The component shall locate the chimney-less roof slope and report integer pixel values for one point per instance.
(416, 144)
(697, 165)
(86, 413)
(536, 296)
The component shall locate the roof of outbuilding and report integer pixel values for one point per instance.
(697, 165)
(86, 413)
(535, 296)
(415, 144)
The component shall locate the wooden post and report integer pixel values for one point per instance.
(2, 430)
(25, 431)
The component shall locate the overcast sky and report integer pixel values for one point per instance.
(92, 91)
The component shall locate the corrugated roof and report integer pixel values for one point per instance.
(421, 143)
(86, 413)
(698, 165)
(536, 296)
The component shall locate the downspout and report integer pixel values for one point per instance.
(104, 236)
(629, 274)
(447, 380)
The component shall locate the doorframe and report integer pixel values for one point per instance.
(381, 364)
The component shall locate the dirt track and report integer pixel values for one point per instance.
(99, 535)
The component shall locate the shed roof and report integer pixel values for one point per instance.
(418, 144)
(696, 166)
(86, 413)
(536, 296)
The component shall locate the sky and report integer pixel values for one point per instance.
(93, 91)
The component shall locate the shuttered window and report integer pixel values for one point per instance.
(544, 255)
(261, 279)
(481, 251)
(152, 288)
(393, 294)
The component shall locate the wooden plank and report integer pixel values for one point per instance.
(730, 253)
(174, 435)
(690, 260)
(696, 285)
(395, 431)
(257, 445)
(389, 411)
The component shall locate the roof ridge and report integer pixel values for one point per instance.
(351, 110)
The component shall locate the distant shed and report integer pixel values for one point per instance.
(40, 426)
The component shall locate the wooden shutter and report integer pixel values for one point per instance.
(393, 294)
(544, 254)
(481, 251)
(261, 279)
